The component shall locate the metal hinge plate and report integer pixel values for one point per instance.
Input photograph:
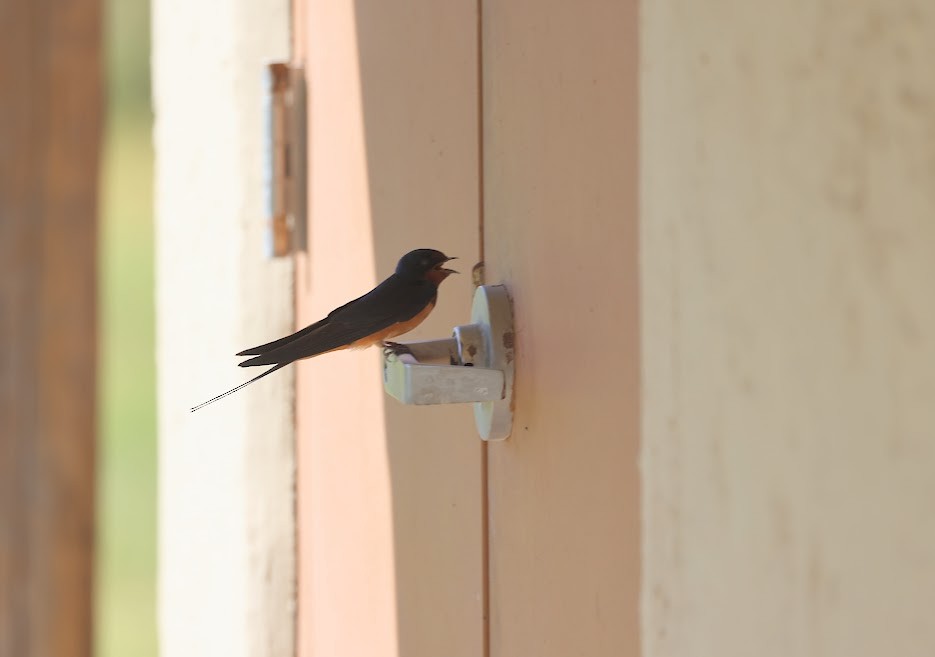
(284, 162)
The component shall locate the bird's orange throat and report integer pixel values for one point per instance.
(436, 276)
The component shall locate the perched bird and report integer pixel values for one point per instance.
(395, 306)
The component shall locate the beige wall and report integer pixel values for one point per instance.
(226, 525)
(560, 229)
(391, 498)
(390, 542)
(788, 299)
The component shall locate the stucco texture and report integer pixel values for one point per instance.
(788, 327)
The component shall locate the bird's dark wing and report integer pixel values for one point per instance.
(394, 300)
(275, 344)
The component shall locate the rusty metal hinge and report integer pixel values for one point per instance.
(284, 165)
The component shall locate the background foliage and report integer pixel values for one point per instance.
(126, 567)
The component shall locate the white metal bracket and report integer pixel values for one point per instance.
(475, 365)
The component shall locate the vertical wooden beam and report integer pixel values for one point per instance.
(50, 81)
(390, 547)
(560, 229)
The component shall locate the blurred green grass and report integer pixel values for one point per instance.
(126, 556)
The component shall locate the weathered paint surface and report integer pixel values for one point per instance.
(788, 232)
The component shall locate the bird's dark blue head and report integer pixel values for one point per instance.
(424, 264)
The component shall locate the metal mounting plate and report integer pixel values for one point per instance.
(474, 366)
(493, 310)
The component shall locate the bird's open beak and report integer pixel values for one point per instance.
(450, 271)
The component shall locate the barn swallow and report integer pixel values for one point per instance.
(395, 306)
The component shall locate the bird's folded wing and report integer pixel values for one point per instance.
(275, 344)
(390, 303)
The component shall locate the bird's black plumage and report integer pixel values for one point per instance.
(393, 301)
(402, 299)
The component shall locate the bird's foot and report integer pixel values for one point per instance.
(395, 349)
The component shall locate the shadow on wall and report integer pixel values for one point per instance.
(418, 76)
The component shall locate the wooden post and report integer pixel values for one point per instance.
(50, 125)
